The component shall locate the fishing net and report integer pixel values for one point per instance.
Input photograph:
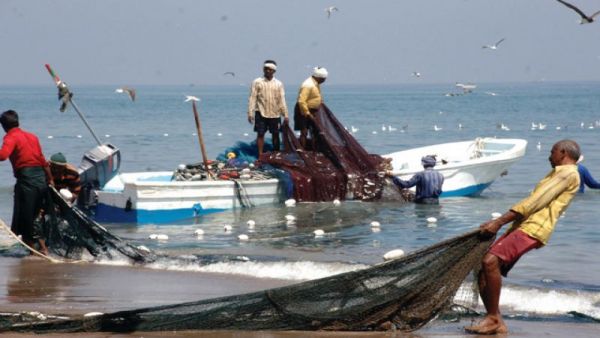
(407, 292)
(338, 168)
(244, 151)
(73, 235)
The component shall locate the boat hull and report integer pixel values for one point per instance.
(154, 198)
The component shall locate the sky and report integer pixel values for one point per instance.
(182, 42)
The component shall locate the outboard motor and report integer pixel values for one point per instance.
(98, 166)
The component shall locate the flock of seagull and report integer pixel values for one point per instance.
(585, 19)
(467, 88)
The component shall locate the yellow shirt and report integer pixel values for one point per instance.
(309, 96)
(547, 202)
(268, 98)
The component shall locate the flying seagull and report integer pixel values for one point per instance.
(494, 46)
(229, 73)
(191, 98)
(584, 18)
(330, 10)
(129, 91)
(416, 74)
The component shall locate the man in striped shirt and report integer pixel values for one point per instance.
(266, 106)
(534, 219)
(429, 182)
(65, 176)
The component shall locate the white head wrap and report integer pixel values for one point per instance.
(320, 72)
(270, 65)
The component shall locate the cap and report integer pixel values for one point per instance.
(59, 159)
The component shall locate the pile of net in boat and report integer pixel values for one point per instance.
(407, 292)
(338, 168)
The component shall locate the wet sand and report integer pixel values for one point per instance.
(33, 284)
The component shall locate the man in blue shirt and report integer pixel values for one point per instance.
(586, 179)
(429, 182)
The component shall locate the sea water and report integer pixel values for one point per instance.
(157, 132)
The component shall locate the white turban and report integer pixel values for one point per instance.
(270, 65)
(320, 72)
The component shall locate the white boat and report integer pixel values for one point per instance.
(468, 167)
(152, 197)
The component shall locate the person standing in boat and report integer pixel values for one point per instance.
(65, 176)
(33, 176)
(429, 182)
(309, 100)
(533, 221)
(266, 106)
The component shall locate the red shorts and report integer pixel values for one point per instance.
(510, 247)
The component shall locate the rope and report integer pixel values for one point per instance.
(242, 195)
(477, 147)
(34, 251)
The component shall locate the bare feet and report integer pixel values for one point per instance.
(489, 325)
(43, 247)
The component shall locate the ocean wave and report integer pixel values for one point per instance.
(537, 302)
(549, 302)
(295, 271)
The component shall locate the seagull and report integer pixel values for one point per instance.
(494, 46)
(354, 129)
(229, 73)
(502, 126)
(584, 18)
(491, 93)
(390, 128)
(539, 146)
(436, 128)
(189, 98)
(129, 91)
(330, 10)
(416, 74)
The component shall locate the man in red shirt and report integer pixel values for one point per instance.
(33, 175)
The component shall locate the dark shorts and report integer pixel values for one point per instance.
(510, 247)
(262, 124)
(428, 200)
(301, 121)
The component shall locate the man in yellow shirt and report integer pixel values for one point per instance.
(266, 106)
(309, 100)
(533, 220)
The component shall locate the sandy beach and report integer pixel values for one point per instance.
(32, 284)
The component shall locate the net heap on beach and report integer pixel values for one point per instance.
(407, 293)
